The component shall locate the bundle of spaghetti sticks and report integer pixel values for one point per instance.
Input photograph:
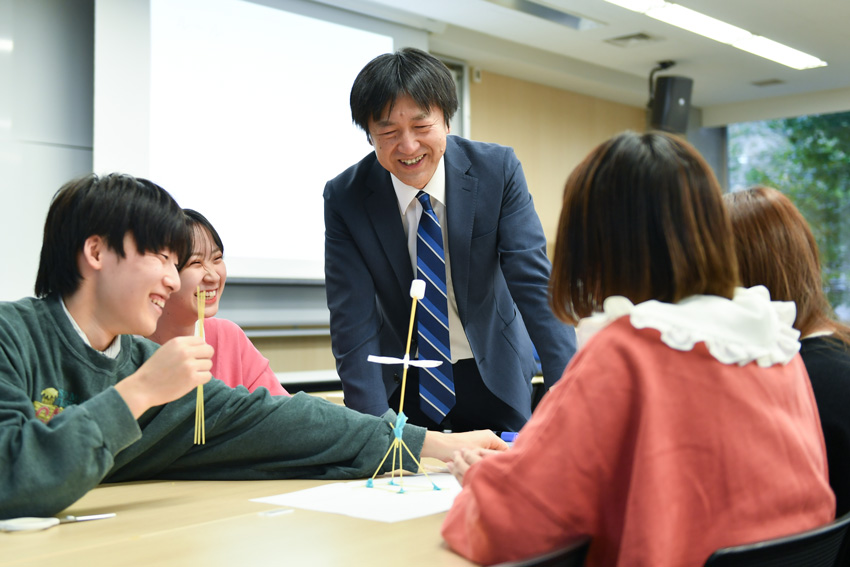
(200, 431)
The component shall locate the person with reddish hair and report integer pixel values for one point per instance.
(776, 249)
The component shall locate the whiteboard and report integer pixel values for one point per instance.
(241, 111)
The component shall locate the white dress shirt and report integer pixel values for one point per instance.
(411, 209)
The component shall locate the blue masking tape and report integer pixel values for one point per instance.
(398, 430)
(508, 436)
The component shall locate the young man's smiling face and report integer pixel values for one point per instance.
(132, 291)
(409, 141)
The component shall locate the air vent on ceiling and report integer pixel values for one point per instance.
(539, 10)
(768, 82)
(633, 40)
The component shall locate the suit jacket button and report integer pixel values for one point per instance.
(396, 378)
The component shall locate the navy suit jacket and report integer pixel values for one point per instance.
(500, 274)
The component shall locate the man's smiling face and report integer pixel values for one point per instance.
(409, 141)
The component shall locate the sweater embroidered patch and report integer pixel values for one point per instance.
(46, 409)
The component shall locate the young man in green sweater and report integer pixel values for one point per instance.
(84, 401)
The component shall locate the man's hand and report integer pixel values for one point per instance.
(444, 445)
(464, 459)
(177, 367)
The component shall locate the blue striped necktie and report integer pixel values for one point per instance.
(436, 385)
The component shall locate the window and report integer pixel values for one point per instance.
(807, 158)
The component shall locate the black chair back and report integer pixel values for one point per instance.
(819, 547)
(572, 555)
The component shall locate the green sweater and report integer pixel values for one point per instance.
(64, 428)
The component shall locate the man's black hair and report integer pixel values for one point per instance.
(409, 71)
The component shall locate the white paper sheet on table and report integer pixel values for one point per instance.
(382, 503)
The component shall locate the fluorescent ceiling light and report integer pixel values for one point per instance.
(769, 49)
(720, 31)
(637, 5)
(697, 23)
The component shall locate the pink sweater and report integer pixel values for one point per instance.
(662, 456)
(236, 361)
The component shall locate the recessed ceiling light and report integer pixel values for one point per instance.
(718, 30)
(633, 40)
(573, 21)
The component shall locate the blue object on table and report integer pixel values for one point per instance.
(508, 436)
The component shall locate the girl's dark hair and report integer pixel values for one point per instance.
(110, 207)
(197, 219)
(642, 217)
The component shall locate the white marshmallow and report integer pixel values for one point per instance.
(417, 289)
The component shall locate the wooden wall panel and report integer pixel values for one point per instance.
(550, 129)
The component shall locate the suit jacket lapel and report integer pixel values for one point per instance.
(461, 198)
(381, 205)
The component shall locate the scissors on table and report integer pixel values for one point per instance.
(30, 524)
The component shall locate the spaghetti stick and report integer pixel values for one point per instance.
(200, 423)
(407, 351)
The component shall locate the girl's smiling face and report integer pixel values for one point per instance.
(205, 269)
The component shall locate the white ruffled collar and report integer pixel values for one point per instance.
(748, 328)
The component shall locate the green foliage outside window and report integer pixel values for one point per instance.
(807, 158)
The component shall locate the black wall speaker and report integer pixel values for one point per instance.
(671, 104)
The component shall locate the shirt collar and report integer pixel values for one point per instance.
(436, 187)
(110, 352)
(749, 327)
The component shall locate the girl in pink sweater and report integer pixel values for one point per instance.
(685, 422)
(236, 361)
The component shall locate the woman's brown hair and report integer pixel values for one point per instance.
(776, 249)
(642, 217)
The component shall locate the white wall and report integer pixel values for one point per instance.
(46, 52)
(47, 73)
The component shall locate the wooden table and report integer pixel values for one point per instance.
(210, 524)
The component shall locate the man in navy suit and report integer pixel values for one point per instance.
(495, 254)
